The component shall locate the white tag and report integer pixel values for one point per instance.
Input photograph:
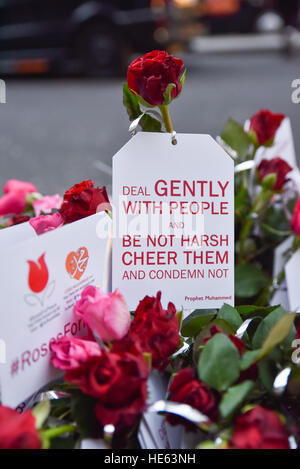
(280, 297)
(174, 221)
(154, 432)
(292, 280)
(42, 278)
(92, 443)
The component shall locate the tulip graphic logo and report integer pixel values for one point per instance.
(38, 278)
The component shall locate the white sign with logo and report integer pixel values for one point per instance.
(292, 280)
(42, 279)
(174, 220)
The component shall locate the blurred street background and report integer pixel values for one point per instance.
(64, 66)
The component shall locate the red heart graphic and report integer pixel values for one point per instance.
(77, 262)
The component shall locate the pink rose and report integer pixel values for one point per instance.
(46, 204)
(45, 223)
(13, 185)
(70, 352)
(295, 223)
(12, 203)
(106, 315)
(14, 198)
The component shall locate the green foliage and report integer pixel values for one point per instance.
(236, 137)
(230, 315)
(193, 324)
(219, 364)
(234, 398)
(83, 412)
(249, 280)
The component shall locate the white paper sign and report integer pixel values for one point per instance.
(292, 280)
(174, 220)
(281, 254)
(154, 431)
(42, 278)
(15, 234)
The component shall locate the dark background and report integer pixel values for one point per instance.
(59, 128)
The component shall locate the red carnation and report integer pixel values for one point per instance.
(260, 428)
(276, 166)
(150, 75)
(155, 330)
(265, 125)
(295, 223)
(18, 431)
(83, 200)
(187, 389)
(119, 383)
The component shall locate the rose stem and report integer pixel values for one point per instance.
(167, 118)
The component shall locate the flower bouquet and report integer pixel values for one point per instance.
(232, 374)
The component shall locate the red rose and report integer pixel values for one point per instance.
(150, 75)
(260, 428)
(83, 200)
(295, 223)
(18, 431)
(276, 166)
(119, 383)
(155, 330)
(17, 220)
(265, 125)
(187, 389)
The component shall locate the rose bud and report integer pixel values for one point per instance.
(107, 316)
(119, 383)
(295, 223)
(264, 125)
(69, 353)
(156, 77)
(155, 330)
(14, 199)
(14, 185)
(277, 167)
(83, 200)
(187, 389)
(18, 431)
(260, 428)
(45, 223)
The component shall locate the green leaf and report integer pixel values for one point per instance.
(267, 373)
(183, 77)
(131, 103)
(234, 398)
(278, 334)
(266, 326)
(83, 412)
(262, 311)
(236, 137)
(41, 412)
(230, 315)
(193, 324)
(249, 358)
(150, 124)
(219, 364)
(168, 94)
(249, 280)
(242, 202)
